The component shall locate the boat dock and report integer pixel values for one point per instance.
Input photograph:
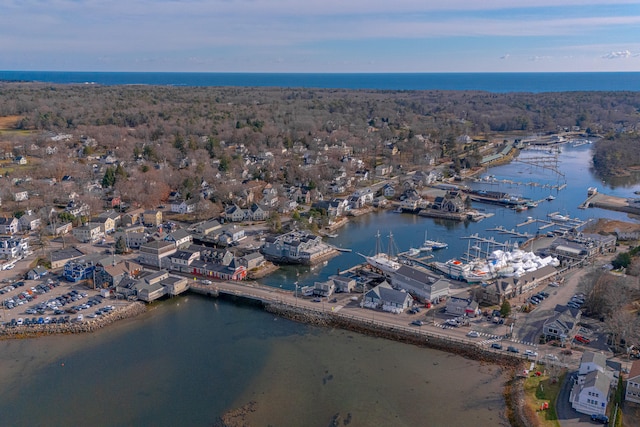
(501, 230)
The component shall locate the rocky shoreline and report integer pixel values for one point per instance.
(130, 310)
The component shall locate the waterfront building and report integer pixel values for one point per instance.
(420, 283)
(324, 289)
(388, 299)
(182, 259)
(343, 283)
(109, 275)
(252, 260)
(298, 247)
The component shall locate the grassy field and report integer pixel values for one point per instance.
(540, 390)
(7, 126)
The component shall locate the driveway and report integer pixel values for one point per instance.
(567, 416)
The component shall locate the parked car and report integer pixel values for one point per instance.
(600, 418)
(496, 345)
(582, 339)
(530, 353)
(417, 323)
(473, 334)
(513, 349)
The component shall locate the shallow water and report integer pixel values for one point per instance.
(192, 359)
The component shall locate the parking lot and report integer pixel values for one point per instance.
(49, 301)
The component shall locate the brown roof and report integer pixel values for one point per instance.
(635, 370)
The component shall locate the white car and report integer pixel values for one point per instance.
(473, 334)
(206, 282)
(530, 353)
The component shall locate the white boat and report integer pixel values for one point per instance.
(413, 252)
(385, 262)
(429, 245)
(551, 197)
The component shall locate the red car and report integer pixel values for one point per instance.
(582, 339)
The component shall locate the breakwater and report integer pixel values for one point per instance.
(127, 311)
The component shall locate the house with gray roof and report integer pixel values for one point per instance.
(388, 299)
(562, 324)
(420, 283)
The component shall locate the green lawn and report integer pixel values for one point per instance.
(540, 390)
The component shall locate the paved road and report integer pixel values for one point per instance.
(567, 416)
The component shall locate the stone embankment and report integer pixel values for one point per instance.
(87, 325)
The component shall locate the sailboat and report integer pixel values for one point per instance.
(431, 245)
(386, 262)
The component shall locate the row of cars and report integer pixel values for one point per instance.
(27, 295)
(537, 298)
(42, 320)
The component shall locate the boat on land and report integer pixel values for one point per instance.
(385, 262)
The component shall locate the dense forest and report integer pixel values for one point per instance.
(177, 137)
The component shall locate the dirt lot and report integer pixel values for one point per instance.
(610, 226)
(8, 122)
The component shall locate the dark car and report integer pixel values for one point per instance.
(601, 418)
(496, 345)
(417, 323)
(512, 349)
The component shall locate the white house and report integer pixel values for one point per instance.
(590, 392)
(632, 393)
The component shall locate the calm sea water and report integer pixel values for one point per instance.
(491, 82)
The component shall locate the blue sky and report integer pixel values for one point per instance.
(320, 36)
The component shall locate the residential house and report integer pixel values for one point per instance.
(182, 206)
(207, 227)
(388, 299)
(234, 213)
(132, 217)
(12, 247)
(90, 232)
(563, 323)
(20, 160)
(452, 201)
(77, 208)
(59, 230)
(343, 283)
(107, 222)
(133, 239)
(388, 190)
(632, 393)
(462, 305)
(20, 196)
(590, 392)
(113, 202)
(181, 238)
(257, 213)
(383, 170)
(9, 225)
(29, 222)
(37, 273)
(324, 289)
(152, 217)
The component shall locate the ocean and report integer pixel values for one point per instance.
(490, 82)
